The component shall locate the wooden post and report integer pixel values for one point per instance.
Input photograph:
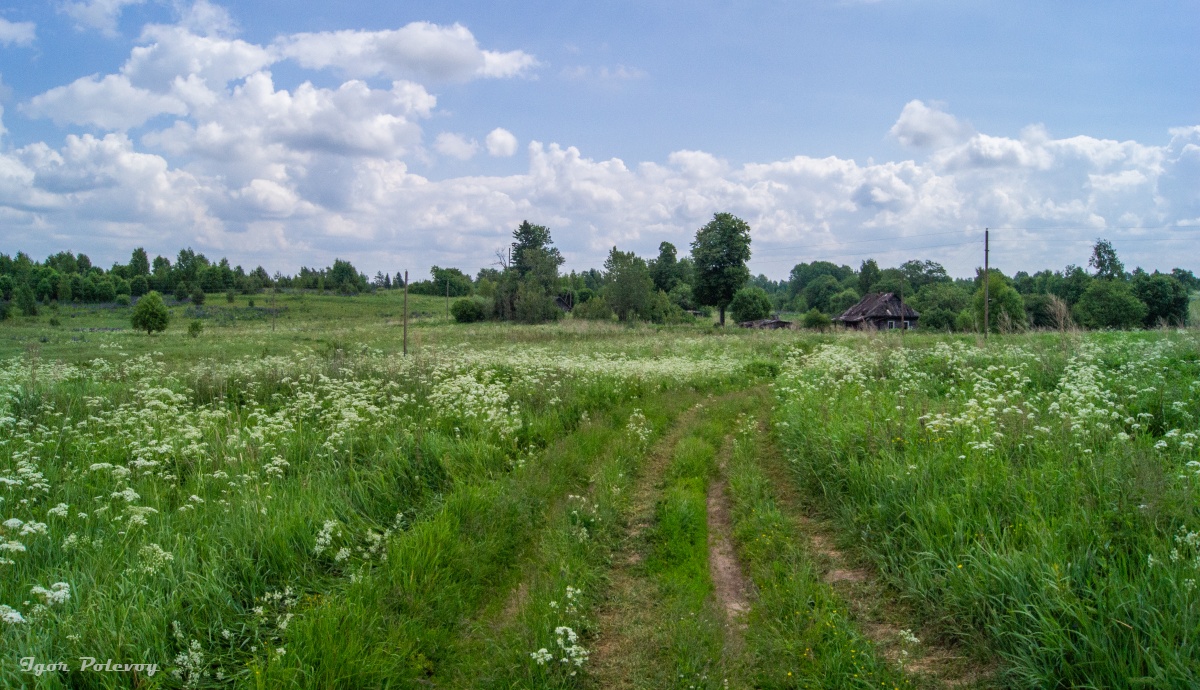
(447, 299)
(987, 322)
(406, 313)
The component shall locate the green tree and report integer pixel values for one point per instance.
(1166, 299)
(7, 285)
(26, 300)
(1104, 260)
(139, 286)
(139, 263)
(843, 300)
(939, 305)
(720, 252)
(64, 288)
(868, 275)
(665, 270)
(532, 246)
(150, 314)
(1007, 309)
(819, 292)
(595, 309)
(750, 304)
(1110, 304)
(628, 285)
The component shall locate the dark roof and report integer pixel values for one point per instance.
(877, 305)
(769, 324)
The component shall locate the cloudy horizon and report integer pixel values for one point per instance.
(400, 142)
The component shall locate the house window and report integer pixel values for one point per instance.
(891, 324)
(907, 325)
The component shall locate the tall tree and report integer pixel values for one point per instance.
(665, 269)
(139, 263)
(868, 275)
(1104, 260)
(720, 252)
(529, 238)
(628, 286)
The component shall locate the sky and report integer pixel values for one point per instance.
(401, 135)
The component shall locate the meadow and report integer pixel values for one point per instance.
(287, 500)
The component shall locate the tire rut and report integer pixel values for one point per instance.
(874, 607)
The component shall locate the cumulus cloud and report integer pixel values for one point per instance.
(172, 53)
(247, 168)
(455, 146)
(109, 102)
(921, 126)
(17, 33)
(501, 143)
(101, 15)
(420, 50)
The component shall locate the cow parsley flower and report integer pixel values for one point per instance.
(59, 592)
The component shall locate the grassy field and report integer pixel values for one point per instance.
(287, 501)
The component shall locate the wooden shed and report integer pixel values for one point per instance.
(879, 311)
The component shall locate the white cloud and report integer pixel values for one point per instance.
(501, 143)
(17, 33)
(295, 176)
(455, 146)
(110, 102)
(419, 50)
(170, 53)
(922, 126)
(101, 15)
(207, 19)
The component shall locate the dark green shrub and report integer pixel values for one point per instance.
(750, 304)
(467, 310)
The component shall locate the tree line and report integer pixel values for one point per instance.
(526, 285)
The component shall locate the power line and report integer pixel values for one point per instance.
(875, 239)
(870, 253)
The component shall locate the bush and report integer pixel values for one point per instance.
(195, 328)
(1109, 304)
(54, 321)
(4, 311)
(181, 291)
(151, 313)
(595, 309)
(467, 310)
(534, 306)
(198, 296)
(750, 304)
(123, 301)
(230, 295)
(817, 320)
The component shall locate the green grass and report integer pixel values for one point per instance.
(799, 634)
(1028, 496)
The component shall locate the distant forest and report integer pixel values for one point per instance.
(526, 285)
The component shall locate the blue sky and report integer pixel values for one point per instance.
(401, 135)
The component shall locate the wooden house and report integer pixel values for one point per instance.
(879, 311)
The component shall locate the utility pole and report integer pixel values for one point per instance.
(987, 298)
(406, 313)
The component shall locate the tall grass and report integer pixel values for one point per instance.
(1038, 496)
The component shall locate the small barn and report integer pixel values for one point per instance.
(879, 311)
